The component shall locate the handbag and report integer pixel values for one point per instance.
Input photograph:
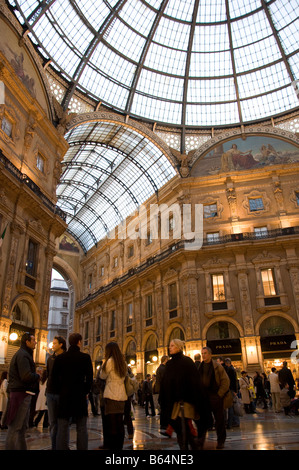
(131, 385)
(227, 400)
(238, 407)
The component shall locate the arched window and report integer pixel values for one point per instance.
(277, 335)
(131, 353)
(177, 333)
(224, 339)
(22, 314)
(222, 330)
(276, 325)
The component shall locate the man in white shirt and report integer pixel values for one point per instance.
(275, 390)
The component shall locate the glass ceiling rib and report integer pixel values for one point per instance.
(132, 54)
(91, 209)
(117, 166)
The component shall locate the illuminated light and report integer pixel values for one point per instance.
(154, 358)
(277, 363)
(13, 336)
(51, 345)
(132, 362)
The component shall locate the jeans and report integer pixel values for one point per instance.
(15, 439)
(62, 441)
(149, 400)
(214, 404)
(52, 403)
(232, 419)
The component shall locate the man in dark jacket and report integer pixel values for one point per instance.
(59, 347)
(22, 385)
(147, 392)
(72, 377)
(285, 376)
(232, 419)
(214, 383)
(159, 376)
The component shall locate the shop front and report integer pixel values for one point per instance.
(278, 345)
(223, 339)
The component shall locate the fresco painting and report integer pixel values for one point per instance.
(254, 152)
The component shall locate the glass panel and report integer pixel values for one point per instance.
(218, 287)
(256, 204)
(268, 282)
(149, 306)
(273, 326)
(210, 210)
(261, 232)
(172, 296)
(118, 37)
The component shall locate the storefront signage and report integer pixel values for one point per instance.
(225, 346)
(277, 343)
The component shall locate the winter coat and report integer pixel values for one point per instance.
(258, 383)
(3, 395)
(285, 399)
(221, 385)
(180, 382)
(50, 364)
(285, 376)
(22, 376)
(244, 384)
(159, 375)
(230, 370)
(274, 383)
(147, 388)
(72, 377)
(115, 387)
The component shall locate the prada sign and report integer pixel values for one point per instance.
(277, 343)
(223, 347)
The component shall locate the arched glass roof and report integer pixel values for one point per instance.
(108, 172)
(183, 63)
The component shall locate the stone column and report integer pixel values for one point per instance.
(159, 291)
(9, 275)
(246, 308)
(191, 306)
(49, 255)
(4, 332)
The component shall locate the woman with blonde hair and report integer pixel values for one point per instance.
(180, 394)
(114, 372)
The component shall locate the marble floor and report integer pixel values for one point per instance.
(265, 430)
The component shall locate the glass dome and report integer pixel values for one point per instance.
(184, 63)
(108, 172)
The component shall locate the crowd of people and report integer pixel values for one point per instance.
(189, 397)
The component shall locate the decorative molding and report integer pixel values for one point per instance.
(256, 194)
(24, 41)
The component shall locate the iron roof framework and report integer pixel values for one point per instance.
(184, 64)
(196, 63)
(108, 172)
